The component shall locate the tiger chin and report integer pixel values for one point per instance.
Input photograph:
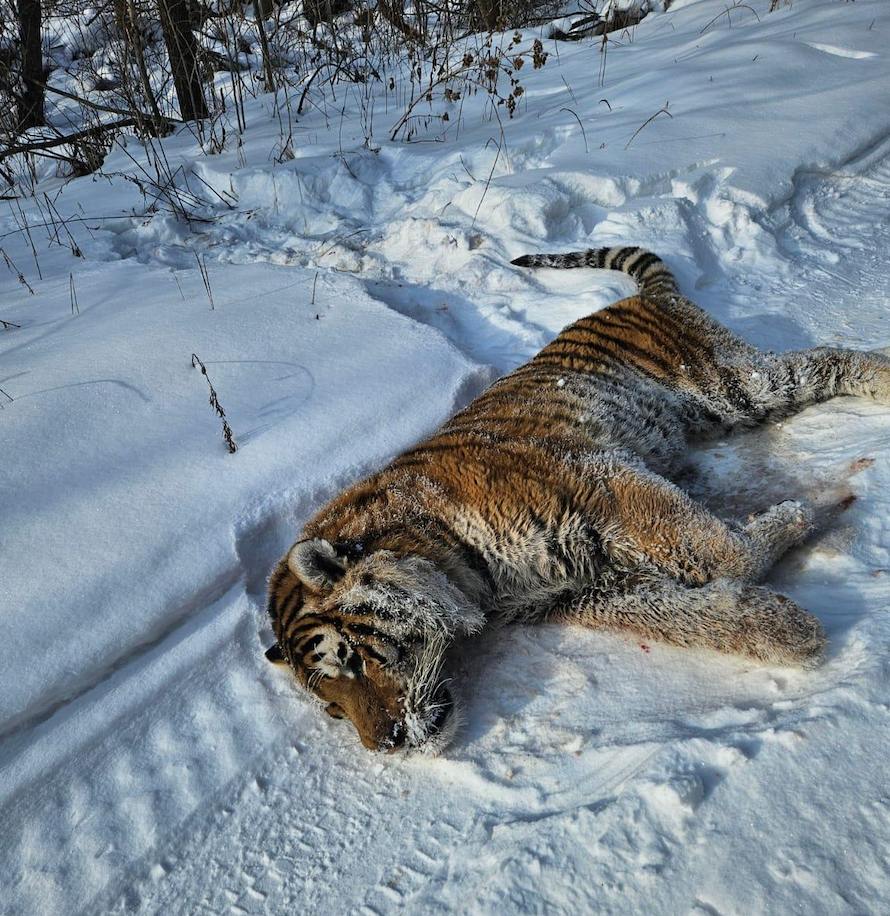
(552, 496)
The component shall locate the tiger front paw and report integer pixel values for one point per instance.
(781, 632)
(788, 522)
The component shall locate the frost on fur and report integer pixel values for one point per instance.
(554, 495)
(724, 616)
(315, 562)
(426, 697)
(414, 597)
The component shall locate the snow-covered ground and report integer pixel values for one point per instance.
(151, 761)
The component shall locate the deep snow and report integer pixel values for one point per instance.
(151, 761)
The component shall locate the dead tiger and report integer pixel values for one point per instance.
(549, 498)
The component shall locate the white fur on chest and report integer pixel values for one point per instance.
(529, 564)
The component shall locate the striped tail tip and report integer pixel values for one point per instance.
(526, 260)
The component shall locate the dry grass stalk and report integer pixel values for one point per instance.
(217, 407)
(18, 274)
(648, 121)
(72, 292)
(202, 267)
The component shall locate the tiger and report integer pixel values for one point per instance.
(554, 496)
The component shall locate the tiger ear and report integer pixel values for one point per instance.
(315, 562)
(275, 655)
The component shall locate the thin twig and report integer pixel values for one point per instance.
(96, 106)
(649, 121)
(726, 12)
(18, 274)
(488, 180)
(341, 238)
(88, 134)
(72, 292)
(583, 134)
(214, 403)
(202, 267)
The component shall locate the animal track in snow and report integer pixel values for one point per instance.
(841, 217)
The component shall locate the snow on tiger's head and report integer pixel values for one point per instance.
(367, 635)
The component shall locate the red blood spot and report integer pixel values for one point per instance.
(644, 647)
(860, 464)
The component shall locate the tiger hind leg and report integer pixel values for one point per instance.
(817, 375)
(770, 385)
(725, 616)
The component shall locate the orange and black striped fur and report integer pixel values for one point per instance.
(550, 497)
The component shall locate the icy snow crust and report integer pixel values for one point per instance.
(151, 761)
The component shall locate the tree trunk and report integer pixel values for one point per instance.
(260, 12)
(125, 14)
(489, 13)
(318, 11)
(394, 15)
(30, 103)
(182, 49)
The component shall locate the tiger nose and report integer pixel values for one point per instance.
(390, 740)
(395, 740)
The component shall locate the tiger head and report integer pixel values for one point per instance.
(367, 636)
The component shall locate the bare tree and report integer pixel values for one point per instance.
(182, 49)
(29, 102)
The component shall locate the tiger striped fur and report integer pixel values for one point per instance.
(550, 497)
(651, 273)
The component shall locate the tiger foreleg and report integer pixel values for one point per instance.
(774, 532)
(725, 616)
(650, 522)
